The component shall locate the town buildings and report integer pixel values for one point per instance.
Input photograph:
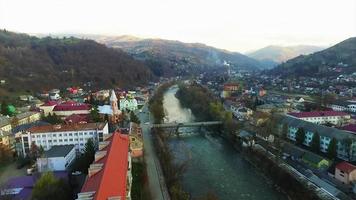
(111, 110)
(323, 117)
(109, 176)
(128, 102)
(52, 135)
(345, 172)
(326, 134)
(57, 158)
(136, 140)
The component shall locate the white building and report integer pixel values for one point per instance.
(58, 158)
(323, 117)
(53, 135)
(348, 106)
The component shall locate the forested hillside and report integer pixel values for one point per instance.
(31, 63)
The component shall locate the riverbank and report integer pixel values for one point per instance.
(199, 100)
(283, 180)
(171, 171)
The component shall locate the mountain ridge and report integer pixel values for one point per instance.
(322, 63)
(279, 54)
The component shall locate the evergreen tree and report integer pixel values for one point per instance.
(315, 143)
(134, 118)
(4, 108)
(94, 114)
(300, 136)
(284, 131)
(332, 153)
(347, 142)
(89, 154)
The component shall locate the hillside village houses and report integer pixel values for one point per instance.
(52, 135)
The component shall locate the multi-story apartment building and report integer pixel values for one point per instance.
(326, 135)
(52, 135)
(111, 167)
(5, 124)
(323, 117)
(27, 118)
(348, 106)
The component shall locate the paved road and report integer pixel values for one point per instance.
(157, 185)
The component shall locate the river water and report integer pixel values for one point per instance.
(214, 166)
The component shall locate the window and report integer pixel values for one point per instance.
(70, 134)
(60, 135)
(54, 135)
(81, 139)
(65, 134)
(60, 140)
(80, 133)
(65, 140)
(85, 133)
(71, 140)
(76, 134)
(54, 140)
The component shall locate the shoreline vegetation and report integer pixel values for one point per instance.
(206, 107)
(171, 170)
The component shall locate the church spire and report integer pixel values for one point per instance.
(113, 96)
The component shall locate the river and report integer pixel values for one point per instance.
(214, 166)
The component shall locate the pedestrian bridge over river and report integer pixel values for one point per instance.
(186, 124)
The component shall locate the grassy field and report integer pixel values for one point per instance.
(9, 171)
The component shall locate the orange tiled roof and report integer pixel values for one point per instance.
(110, 181)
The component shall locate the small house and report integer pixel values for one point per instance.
(315, 160)
(292, 151)
(345, 172)
(58, 158)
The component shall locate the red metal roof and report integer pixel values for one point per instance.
(110, 181)
(350, 127)
(50, 103)
(317, 114)
(74, 118)
(71, 105)
(346, 167)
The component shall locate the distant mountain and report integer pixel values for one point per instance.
(279, 54)
(341, 56)
(31, 63)
(167, 57)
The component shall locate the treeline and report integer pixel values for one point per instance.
(294, 188)
(205, 106)
(172, 171)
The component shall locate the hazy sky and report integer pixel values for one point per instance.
(239, 25)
